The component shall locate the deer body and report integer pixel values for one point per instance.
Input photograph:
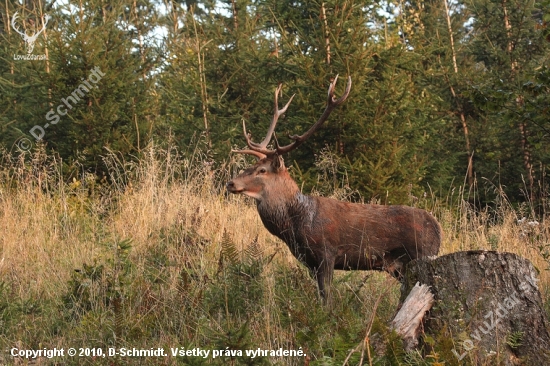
(327, 234)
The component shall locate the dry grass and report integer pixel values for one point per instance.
(163, 204)
(501, 228)
(50, 228)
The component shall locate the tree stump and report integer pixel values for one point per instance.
(487, 310)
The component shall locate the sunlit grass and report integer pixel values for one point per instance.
(155, 237)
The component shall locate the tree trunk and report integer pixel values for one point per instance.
(487, 309)
(527, 155)
(327, 33)
(470, 166)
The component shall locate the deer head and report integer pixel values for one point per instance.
(270, 166)
(29, 40)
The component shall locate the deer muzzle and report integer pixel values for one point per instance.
(232, 188)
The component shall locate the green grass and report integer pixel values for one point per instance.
(163, 257)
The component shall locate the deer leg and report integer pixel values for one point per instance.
(395, 269)
(324, 275)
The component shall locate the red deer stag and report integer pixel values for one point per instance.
(323, 233)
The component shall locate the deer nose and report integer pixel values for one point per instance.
(230, 185)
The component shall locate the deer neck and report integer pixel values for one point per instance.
(285, 211)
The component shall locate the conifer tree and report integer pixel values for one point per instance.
(92, 92)
(509, 49)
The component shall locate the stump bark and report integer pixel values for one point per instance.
(487, 309)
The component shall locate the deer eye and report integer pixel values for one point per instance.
(262, 171)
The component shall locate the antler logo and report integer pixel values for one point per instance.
(29, 40)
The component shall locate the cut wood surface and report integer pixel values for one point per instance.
(407, 322)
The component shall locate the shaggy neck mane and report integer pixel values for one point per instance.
(284, 209)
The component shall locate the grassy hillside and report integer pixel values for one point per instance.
(163, 257)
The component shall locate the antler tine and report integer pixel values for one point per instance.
(278, 113)
(258, 152)
(331, 104)
(344, 96)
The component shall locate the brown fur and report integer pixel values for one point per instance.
(326, 234)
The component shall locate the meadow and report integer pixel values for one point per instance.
(158, 255)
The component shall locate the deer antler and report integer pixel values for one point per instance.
(261, 151)
(331, 104)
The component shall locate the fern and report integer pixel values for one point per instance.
(515, 339)
(229, 250)
(253, 253)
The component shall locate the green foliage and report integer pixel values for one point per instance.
(77, 121)
(239, 287)
(431, 87)
(515, 339)
(4, 306)
(99, 285)
(83, 289)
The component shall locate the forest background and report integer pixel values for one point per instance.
(445, 94)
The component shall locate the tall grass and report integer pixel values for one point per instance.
(158, 255)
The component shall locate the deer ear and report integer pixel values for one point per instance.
(278, 163)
